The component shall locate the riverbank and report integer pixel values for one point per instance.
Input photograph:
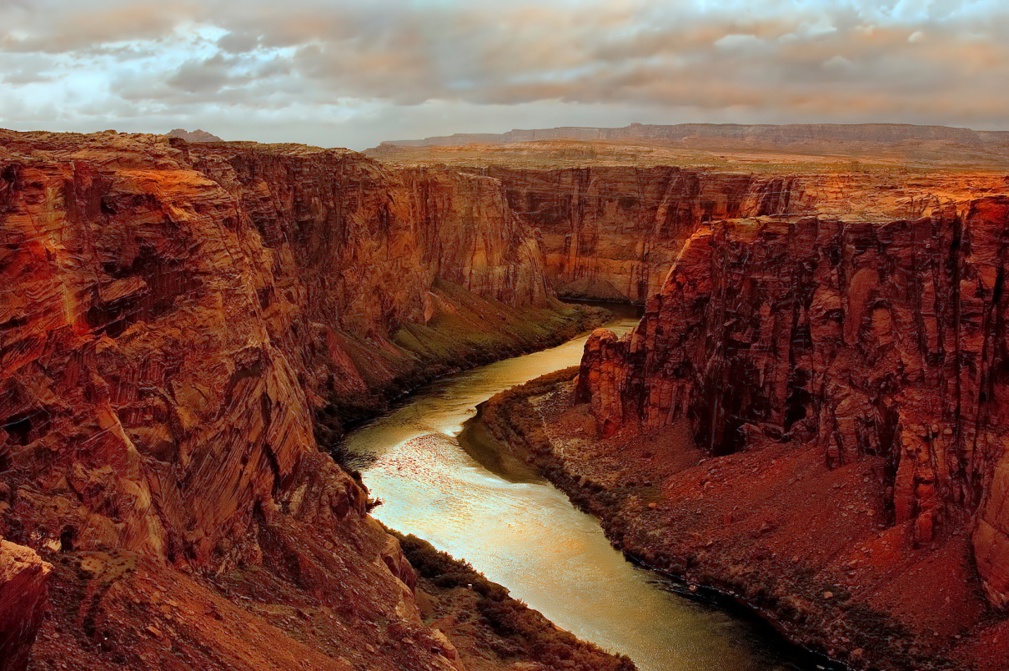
(809, 550)
(488, 627)
(524, 534)
(466, 331)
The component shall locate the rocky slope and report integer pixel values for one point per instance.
(178, 324)
(613, 219)
(864, 360)
(23, 578)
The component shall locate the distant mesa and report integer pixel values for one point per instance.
(876, 134)
(194, 136)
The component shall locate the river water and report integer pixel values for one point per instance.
(528, 537)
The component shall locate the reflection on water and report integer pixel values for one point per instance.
(528, 537)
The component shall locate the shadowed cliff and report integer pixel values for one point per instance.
(178, 325)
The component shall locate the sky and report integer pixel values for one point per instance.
(353, 73)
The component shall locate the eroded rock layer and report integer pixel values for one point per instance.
(176, 324)
(611, 232)
(23, 577)
(867, 339)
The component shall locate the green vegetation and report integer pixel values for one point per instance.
(469, 332)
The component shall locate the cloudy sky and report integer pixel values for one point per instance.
(352, 73)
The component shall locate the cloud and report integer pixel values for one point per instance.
(286, 69)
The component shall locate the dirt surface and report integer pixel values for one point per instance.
(808, 548)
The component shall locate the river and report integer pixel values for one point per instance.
(528, 537)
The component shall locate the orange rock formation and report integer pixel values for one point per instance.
(882, 343)
(869, 339)
(178, 322)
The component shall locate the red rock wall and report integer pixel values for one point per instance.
(23, 577)
(172, 314)
(869, 339)
(611, 233)
(355, 252)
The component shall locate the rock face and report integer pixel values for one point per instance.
(613, 216)
(175, 315)
(171, 309)
(359, 254)
(611, 233)
(601, 380)
(23, 578)
(868, 339)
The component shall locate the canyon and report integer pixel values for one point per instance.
(182, 328)
(809, 418)
(188, 330)
(614, 216)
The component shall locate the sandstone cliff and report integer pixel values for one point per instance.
(613, 223)
(611, 233)
(877, 342)
(173, 319)
(882, 340)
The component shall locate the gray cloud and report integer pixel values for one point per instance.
(310, 70)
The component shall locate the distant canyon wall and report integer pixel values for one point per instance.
(611, 233)
(866, 338)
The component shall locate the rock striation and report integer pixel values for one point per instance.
(177, 322)
(611, 233)
(869, 340)
(172, 309)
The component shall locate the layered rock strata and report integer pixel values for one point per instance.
(176, 324)
(611, 233)
(868, 340)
